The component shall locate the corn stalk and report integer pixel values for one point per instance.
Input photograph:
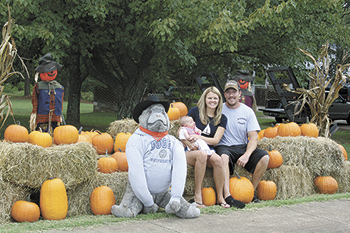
(8, 53)
(315, 97)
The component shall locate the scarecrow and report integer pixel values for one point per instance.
(244, 78)
(156, 161)
(47, 99)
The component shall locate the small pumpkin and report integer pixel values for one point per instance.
(120, 141)
(291, 129)
(84, 137)
(243, 84)
(92, 133)
(65, 134)
(16, 133)
(25, 211)
(345, 154)
(53, 199)
(182, 107)
(241, 188)
(121, 160)
(275, 160)
(31, 136)
(270, 132)
(261, 134)
(266, 190)
(173, 113)
(101, 200)
(103, 143)
(309, 129)
(208, 196)
(42, 139)
(326, 184)
(107, 165)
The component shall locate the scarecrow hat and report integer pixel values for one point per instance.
(244, 75)
(152, 99)
(47, 64)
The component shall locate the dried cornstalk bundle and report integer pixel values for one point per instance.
(29, 165)
(79, 197)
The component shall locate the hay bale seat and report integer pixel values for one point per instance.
(24, 167)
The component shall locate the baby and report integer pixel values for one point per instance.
(188, 128)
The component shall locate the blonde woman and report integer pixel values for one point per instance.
(208, 118)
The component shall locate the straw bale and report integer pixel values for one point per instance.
(342, 176)
(10, 193)
(129, 126)
(321, 155)
(292, 181)
(29, 165)
(79, 197)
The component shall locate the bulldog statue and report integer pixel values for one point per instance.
(157, 166)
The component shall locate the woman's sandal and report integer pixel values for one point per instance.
(223, 204)
(198, 204)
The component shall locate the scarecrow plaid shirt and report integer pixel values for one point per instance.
(41, 118)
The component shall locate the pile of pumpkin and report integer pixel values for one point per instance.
(241, 187)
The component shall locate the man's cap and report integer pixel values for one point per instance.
(152, 99)
(232, 84)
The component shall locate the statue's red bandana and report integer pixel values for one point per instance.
(156, 135)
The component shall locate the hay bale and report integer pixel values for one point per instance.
(320, 155)
(129, 126)
(342, 176)
(29, 165)
(10, 193)
(79, 197)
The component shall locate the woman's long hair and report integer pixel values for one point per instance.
(202, 107)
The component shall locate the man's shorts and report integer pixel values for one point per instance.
(236, 151)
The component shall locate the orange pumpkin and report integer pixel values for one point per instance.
(120, 141)
(41, 139)
(261, 134)
(241, 188)
(25, 211)
(65, 134)
(309, 129)
(84, 137)
(103, 143)
(16, 133)
(173, 113)
(289, 129)
(345, 154)
(208, 196)
(121, 160)
(326, 184)
(92, 133)
(266, 190)
(101, 200)
(107, 165)
(276, 159)
(270, 132)
(31, 136)
(182, 107)
(53, 199)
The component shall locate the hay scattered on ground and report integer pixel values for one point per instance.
(29, 165)
(129, 126)
(79, 198)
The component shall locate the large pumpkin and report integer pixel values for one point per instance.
(40, 138)
(266, 190)
(65, 134)
(345, 154)
(120, 141)
(270, 132)
(16, 133)
(103, 143)
(182, 107)
(208, 196)
(275, 160)
(309, 129)
(173, 113)
(326, 184)
(121, 160)
(107, 165)
(289, 129)
(241, 188)
(101, 200)
(25, 211)
(53, 200)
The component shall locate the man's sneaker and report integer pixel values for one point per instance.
(255, 199)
